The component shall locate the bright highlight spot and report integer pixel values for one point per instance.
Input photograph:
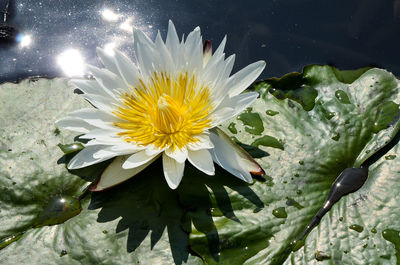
(24, 40)
(109, 15)
(109, 48)
(71, 62)
(127, 25)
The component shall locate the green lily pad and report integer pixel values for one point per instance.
(312, 157)
(131, 224)
(46, 213)
(34, 188)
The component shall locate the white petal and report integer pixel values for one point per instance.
(85, 157)
(115, 174)
(104, 137)
(112, 151)
(89, 87)
(172, 41)
(217, 75)
(245, 77)
(221, 47)
(218, 55)
(119, 64)
(165, 56)
(232, 157)
(220, 115)
(209, 73)
(126, 68)
(202, 160)
(103, 134)
(194, 50)
(74, 124)
(101, 141)
(100, 102)
(127, 147)
(108, 60)
(137, 159)
(221, 89)
(145, 52)
(229, 62)
(109, 81)
(173, 171)
(96, 117)
(231, 107)
(179, 155)
(152, 150)
(117, 144)
(141, 37)
(144, 56)
(203, 142)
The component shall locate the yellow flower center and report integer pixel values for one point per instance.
(165, 112)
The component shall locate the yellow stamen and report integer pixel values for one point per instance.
(165, 112)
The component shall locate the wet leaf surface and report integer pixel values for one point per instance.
(313, 156)
(46, 213)
(302, 131)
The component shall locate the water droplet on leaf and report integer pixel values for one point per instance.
(70, 148)
(58, 210)
(336, 137)
(232, 128)
(216, 212)
(357, 228)
(387, 114)
(56, 132)
(271, 112)
(256, 210)
(252, 121)
(393, 236)
(10, 239)
(342, 96)
(320, 256)
(279, 212)
(269, 141)
(292, 202)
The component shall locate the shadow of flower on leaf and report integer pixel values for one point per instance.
(146, 207)
(204, 197)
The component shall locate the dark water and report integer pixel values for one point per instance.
(288, 34)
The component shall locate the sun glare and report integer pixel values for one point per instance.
(71, 62)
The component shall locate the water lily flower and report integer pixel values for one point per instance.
(168, 104)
